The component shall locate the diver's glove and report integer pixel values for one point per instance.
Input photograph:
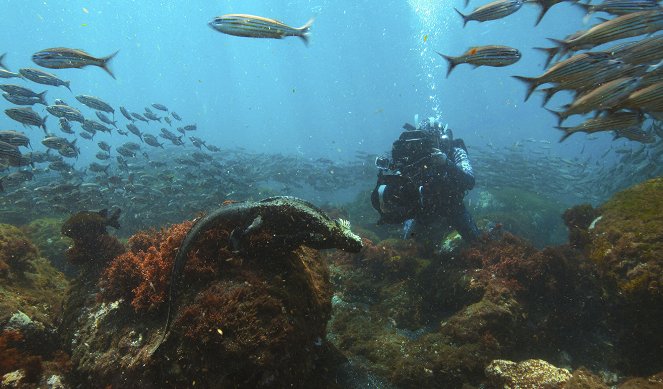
(440, 158)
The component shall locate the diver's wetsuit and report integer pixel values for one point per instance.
(443, 188)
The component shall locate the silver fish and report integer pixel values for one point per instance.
(67, 112)
(258, 27)
(65, 58)
(484, 56)
(22, 100)
(27, 116)
(95, 103)
(4, 73)
(496, 10)
(42, 77)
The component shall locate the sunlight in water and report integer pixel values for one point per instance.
(430, 30)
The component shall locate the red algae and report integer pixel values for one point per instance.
(142, 274)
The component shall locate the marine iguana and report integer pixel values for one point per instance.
(292, 222)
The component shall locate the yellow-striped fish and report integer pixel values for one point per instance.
(258, 27)
(492, 55)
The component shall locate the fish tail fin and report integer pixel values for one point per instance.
(106, 61)
(465, 18)
(161, 145)
(467, 2)
(304, 30)
(567, 133)
(106, 169)
(544, 9)
(43, 124)
(560, 116)
(67, 84)
(531, 83)
(2, 65)
(548, 93)
(42, 97)
(551, 52)
(453, 62)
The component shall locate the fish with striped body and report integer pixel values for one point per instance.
(20, 91)
(645, 51)
(616, 121)
(93, 126)
(65, 126)
(493, 55)
(138, 116)
(14, 138)
(65, 58)
(4, 73)
(648, 99)
(575, 67)
(620, 7)
(27, 117)
(22, 100)
(126, 114)
(252, 26)
(152, 116)
(176, 116)
(95, 103)
(106, 119)
(625, 26)
(584, 84)
(635, 134)
(496, 10)
(67, 112)
(9, 151)
(160, 107)
(605, 96)
(134, 130)
(152, 140)
(42, 77)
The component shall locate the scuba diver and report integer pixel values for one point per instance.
(423, 185)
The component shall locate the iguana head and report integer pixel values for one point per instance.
(346, 239)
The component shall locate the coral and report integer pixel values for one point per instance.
(16, 251)
(529, 374)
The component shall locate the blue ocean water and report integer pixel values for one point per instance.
(368, 69)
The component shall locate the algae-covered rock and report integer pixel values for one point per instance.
(627, 242)
(529, 374)
(31, 293)
(45, 234)
(248, 321)
(627, 247)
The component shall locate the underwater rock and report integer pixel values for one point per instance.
(437, 322)
(31, 294)
(578, 220)
(627, 247)
(45, 234)
(254, 317)
(16, 252)
(529, 374)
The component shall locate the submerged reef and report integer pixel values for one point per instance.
(31, 293)
(243, 318)
(45, 234)
(626, 244)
